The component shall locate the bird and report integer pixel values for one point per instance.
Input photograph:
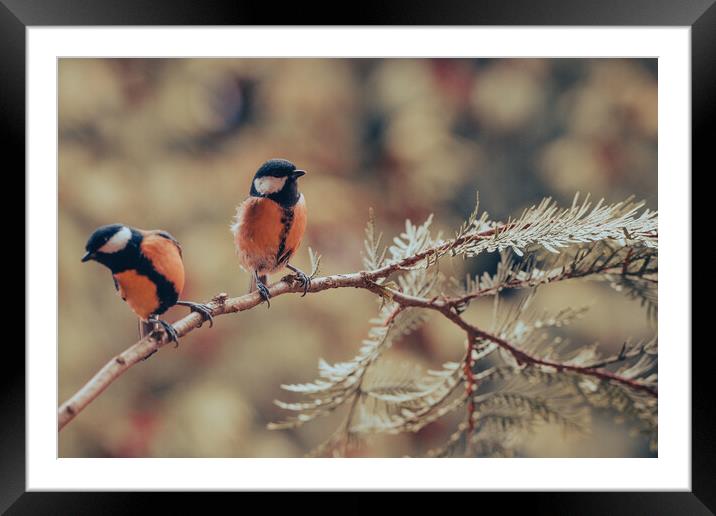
(269, 224)
(147, 270)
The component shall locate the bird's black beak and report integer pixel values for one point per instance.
(298, 173)
(88, 256)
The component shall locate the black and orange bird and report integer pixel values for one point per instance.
(147, 270)
(270, 223)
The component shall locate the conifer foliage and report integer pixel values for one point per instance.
(519, 372)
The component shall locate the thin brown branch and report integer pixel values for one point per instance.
(367, 280)
(446, 308)
(525, 358)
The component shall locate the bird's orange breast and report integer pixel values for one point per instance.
(257, 232)
(263, 230)
(139, 292)
(157, 282)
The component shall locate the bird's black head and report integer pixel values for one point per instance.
(111, 245)
(277, 180)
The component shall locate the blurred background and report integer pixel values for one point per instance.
(174, 143)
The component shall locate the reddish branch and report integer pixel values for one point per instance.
(525, 358)
(446, 307)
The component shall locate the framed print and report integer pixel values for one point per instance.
(416, 253)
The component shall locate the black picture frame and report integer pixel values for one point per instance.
(17, 15)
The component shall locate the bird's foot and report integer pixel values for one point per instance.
(303, 278)
(170, 331)
(264, 293)
(201, 309)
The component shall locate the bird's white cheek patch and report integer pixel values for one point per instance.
(117, 242)
(268, 185)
